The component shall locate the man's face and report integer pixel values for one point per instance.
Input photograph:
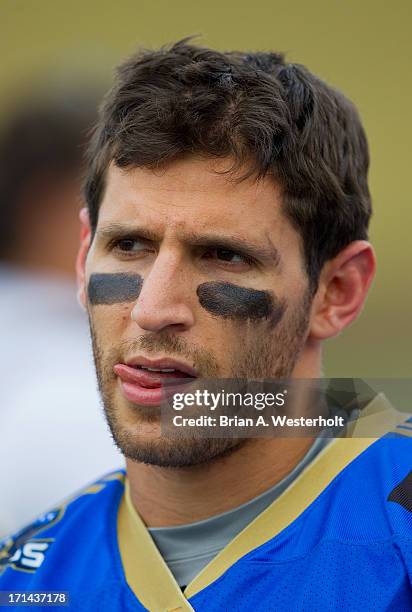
(191, 271)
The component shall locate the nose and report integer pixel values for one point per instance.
(164, 301)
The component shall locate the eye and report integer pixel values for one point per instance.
(227, 256)
(231, 256)
(130, 246)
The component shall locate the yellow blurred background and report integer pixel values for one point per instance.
(362, 47)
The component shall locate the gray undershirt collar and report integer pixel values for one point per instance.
(187, 549)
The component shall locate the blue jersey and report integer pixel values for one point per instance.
(340, 538)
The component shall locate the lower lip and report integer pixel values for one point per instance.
(143, 396)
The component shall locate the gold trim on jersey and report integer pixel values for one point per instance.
(147, 573)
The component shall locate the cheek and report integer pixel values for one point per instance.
(117, 292)
(109, 323)
(113, 288)
(241, 304)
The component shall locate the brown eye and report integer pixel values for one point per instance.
(127, 245)
(231, 256)
(131, 246)
(227, 256)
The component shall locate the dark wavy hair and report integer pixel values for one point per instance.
(271, 117)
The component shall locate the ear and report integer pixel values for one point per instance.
(343, 286)
(85, 238)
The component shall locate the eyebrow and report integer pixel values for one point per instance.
(263, 252)
(119, 230)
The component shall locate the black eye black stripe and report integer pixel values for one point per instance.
(239, 303)
(114, 288)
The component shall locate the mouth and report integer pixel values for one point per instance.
(143, 381)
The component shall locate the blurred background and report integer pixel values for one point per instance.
(57, 59)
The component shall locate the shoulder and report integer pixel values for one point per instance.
(55, 538)
(370, 500)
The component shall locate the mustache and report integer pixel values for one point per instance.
(172, 346)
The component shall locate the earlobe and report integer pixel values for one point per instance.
(85, 236)
(343, 286)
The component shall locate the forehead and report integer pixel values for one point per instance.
(192, 194)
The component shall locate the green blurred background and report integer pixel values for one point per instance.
(362, 47)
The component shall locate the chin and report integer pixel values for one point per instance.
(150, 447)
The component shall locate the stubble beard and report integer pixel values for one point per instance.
(260, 356)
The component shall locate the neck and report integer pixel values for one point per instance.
(165, 497)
